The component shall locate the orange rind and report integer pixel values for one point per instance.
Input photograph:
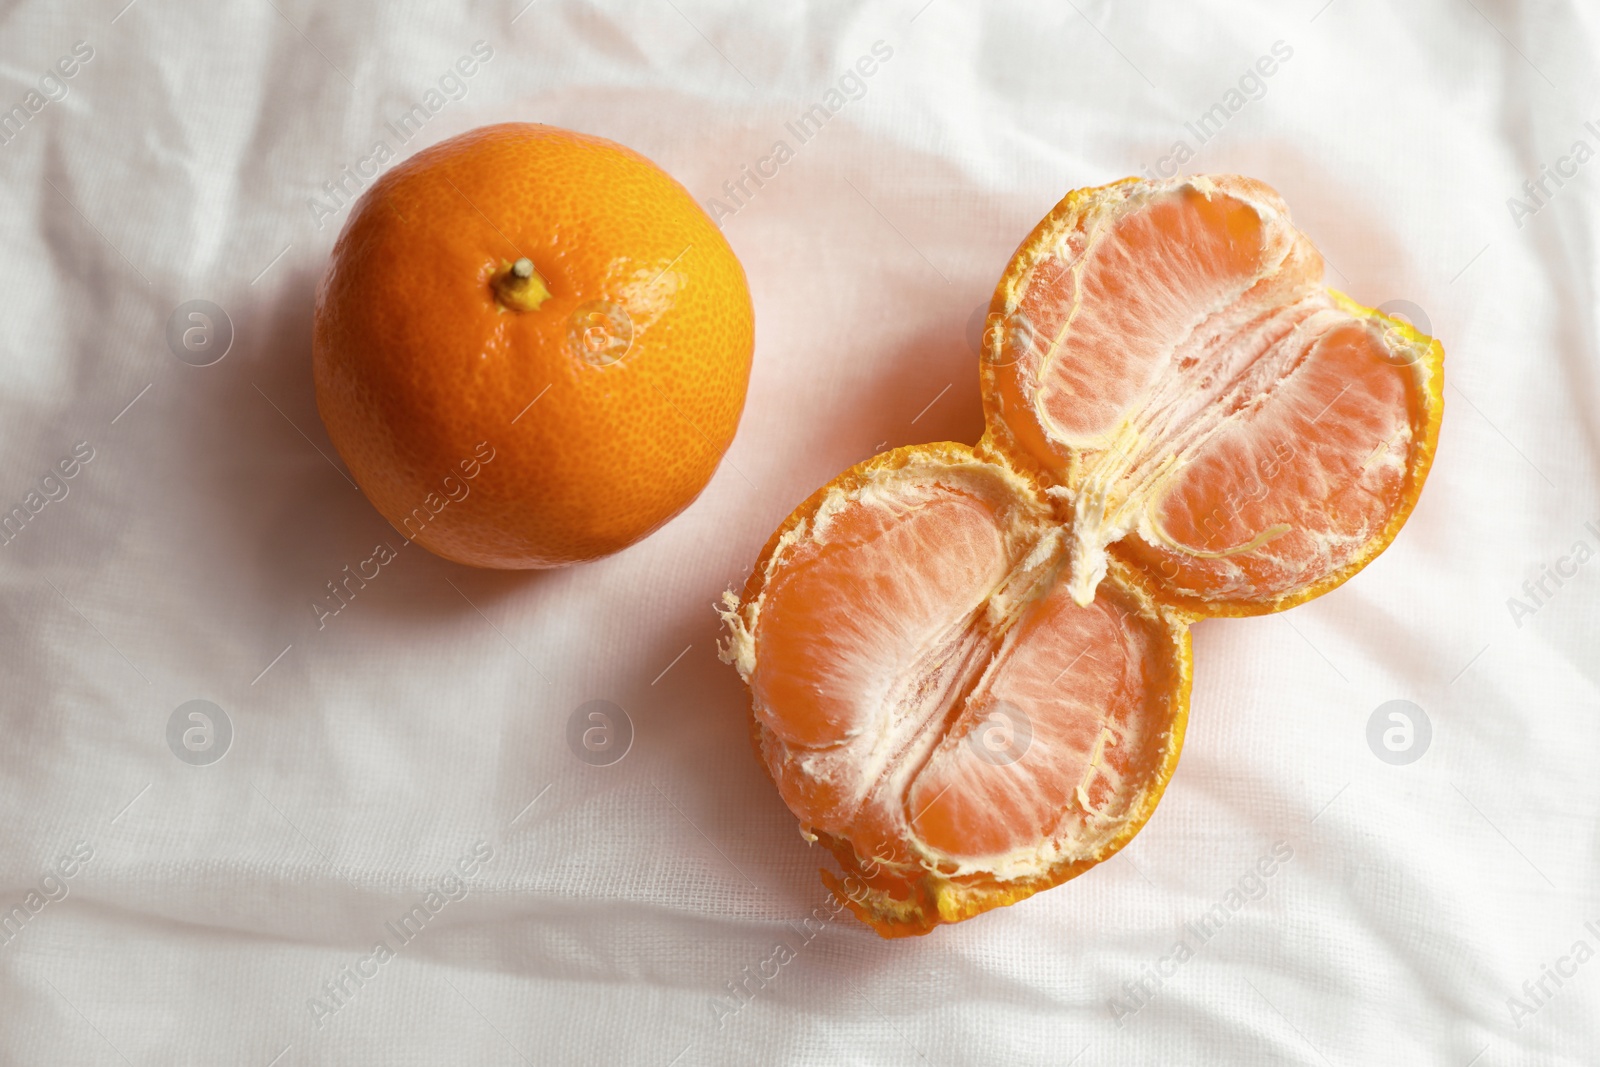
(531, 347)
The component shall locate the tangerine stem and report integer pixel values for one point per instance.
(519, 287)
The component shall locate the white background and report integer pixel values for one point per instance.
(431, 712)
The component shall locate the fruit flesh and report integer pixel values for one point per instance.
(1179, 357)
(928, 695)
(970, 667)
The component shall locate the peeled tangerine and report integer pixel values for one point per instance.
(970, 665)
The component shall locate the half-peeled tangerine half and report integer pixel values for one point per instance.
(969, 666)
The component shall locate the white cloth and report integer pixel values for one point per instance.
(183, 160)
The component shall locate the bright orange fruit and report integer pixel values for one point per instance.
(969, 666)
(1167, 353)
(531, 346)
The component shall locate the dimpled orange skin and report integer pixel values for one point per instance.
(421, 371)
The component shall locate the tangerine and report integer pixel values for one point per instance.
(970, 665)
(548, 299)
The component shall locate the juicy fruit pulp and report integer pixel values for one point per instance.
(546, 298)
(926, 692)
(1201, 401)
(969, 666)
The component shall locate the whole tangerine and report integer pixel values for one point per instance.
(531, 346)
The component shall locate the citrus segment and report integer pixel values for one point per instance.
(1065, 732)
(1293, 490)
